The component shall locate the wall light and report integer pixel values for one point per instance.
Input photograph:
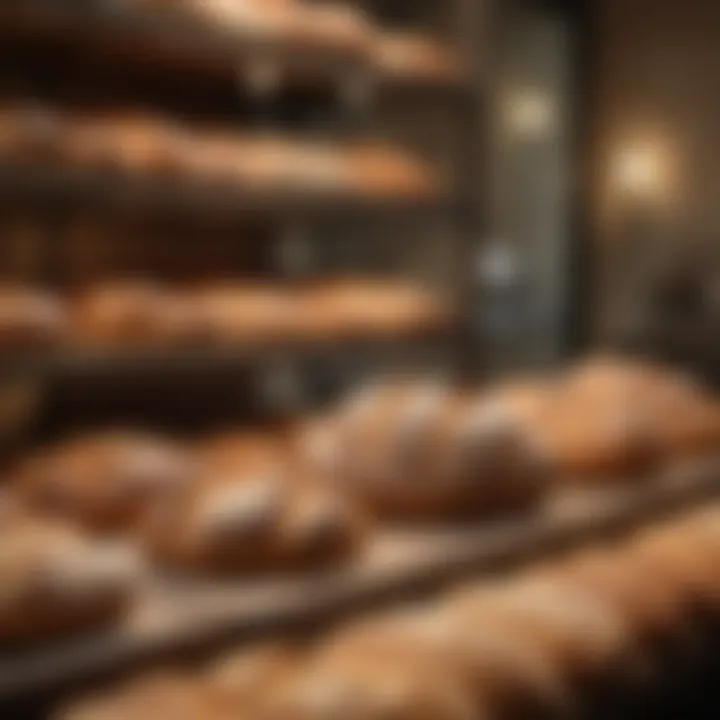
(642, 171)
(529, 113)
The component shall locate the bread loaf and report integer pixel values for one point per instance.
(104, 482)
(254, 510)
(421, 450)
(54, 581)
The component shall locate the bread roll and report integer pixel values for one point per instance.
(105, 482)
(255, 511)
(54, 581)
(31, 318)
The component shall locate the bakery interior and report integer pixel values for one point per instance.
(358, 360)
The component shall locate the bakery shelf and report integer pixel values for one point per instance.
(65, 187)
(142, 35)
(172, 616)
(108, 361)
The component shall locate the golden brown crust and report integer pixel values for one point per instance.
(256, 507)
(105, 482)
(414, 449)
(55, 581)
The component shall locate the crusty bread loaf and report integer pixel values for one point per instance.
(414, 449)
(105, 482)
(254, 510)
(55, 581)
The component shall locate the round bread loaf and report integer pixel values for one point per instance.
(255, 509)
(414, 449)
(55, 581)
(104, 482)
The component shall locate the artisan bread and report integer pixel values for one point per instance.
(55, 581)
(105, 482)
(255, 510)
(421, 450)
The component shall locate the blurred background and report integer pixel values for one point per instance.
(309, 308)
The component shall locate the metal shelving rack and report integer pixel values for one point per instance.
(106, 28)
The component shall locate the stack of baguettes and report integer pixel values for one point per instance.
(137, 314)
(130, 145)
(604, 625)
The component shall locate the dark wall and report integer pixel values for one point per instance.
(655, 180)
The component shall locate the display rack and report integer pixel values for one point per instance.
(137, 37)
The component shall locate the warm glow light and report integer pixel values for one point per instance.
(529, 113)
(642, 171)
